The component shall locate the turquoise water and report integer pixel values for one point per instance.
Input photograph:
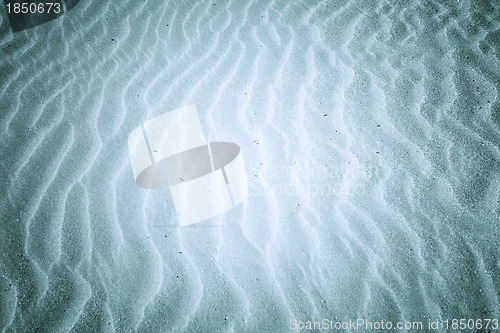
(370, 132)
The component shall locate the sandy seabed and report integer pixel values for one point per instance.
(396, 100)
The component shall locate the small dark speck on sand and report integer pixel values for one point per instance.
(112, 39)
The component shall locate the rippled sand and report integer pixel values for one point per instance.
(370, 132)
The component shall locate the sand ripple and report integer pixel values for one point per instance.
(371, 135)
